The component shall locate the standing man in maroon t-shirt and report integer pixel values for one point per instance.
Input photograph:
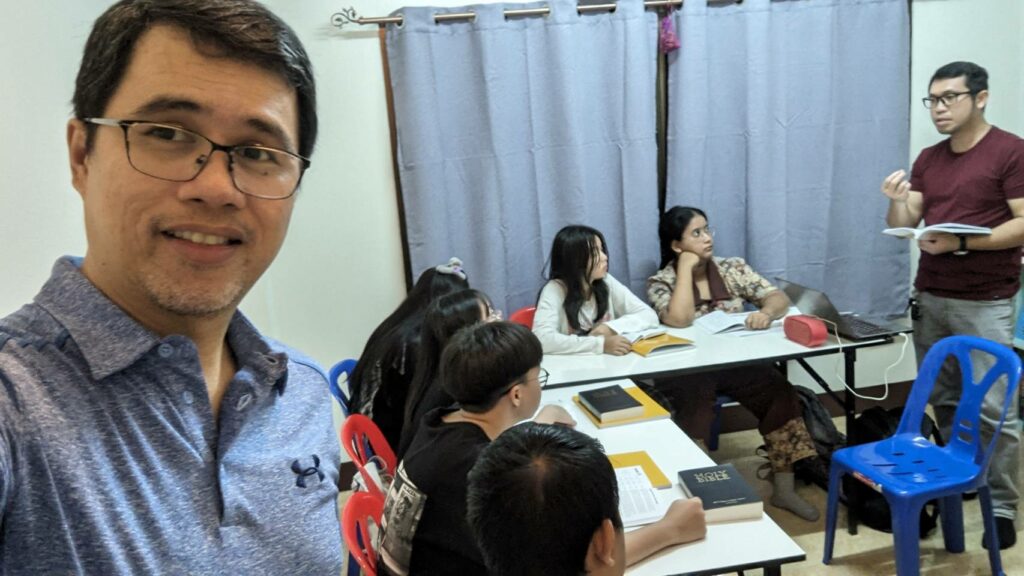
(967, 284)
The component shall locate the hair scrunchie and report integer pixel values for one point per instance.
(453, 267)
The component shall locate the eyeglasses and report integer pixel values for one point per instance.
(178, 155)
(542, 381)
(707, 230)
(947, 99)
(542, 378)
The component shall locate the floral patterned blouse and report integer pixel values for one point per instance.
(731, 280)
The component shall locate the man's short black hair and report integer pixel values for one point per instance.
(483, 360)
(242, 30)
(975, 76)
(536, 497)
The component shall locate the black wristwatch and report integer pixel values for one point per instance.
(962, 251)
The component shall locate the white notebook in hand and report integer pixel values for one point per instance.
(949, 228)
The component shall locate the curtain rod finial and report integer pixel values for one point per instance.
(345, 16)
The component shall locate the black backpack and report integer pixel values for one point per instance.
(827, 439)
(863, 502)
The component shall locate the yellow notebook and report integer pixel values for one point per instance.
(652, 410)
(643, 460)
(661, 343)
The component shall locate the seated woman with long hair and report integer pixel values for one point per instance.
(381, 379)
(693, 282)
(582, 308)
(444, 317)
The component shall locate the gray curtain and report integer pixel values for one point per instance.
(510, 129)
(784, 117)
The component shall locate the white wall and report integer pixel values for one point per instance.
(340, 271)
(990, 33)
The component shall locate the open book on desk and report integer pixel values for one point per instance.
(656, 341)
(949, 228)
(638, 502)
(719, 322)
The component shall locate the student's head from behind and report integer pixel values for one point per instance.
(177, 227)
(434, 283)
(491, 362)
(579, 259)
(685, 229)
(957, 96)
(444, 317)
(542, 499)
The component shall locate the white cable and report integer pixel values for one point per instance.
(841, 356)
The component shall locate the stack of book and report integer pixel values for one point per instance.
(614, 405)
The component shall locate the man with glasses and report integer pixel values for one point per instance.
(145, 425)
(966, 284)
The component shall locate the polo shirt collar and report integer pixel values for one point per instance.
(110, 340)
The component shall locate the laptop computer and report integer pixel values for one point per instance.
(816, 303)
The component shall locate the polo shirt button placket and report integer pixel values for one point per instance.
(165, 350)
(188, 397)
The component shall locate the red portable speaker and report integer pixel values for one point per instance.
(806, 330)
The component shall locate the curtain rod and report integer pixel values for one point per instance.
(349, 16)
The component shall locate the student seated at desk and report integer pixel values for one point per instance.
(582, 308)
(544, 500)
(693, 282)
(381, 379)
(445, 316)
(493, 371)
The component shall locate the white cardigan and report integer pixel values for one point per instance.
(627, 313)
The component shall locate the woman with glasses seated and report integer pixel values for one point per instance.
(582, 308)
(694, 282)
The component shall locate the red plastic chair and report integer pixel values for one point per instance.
(524, 316)
(366, 446)
(362, 509)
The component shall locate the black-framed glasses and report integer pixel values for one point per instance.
(542, 378)
(707, 230)
(175, 154)
(542, 381)
(947, 99)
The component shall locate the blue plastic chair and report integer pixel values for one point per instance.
(346, 368)
(909, 470)
(716, 420)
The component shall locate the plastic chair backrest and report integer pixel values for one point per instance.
(346, 368)
(965, 441)
(524, 316)
(361, 509)
(365, 443)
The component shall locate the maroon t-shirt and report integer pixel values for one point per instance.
(971, 188)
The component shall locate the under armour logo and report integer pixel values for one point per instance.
(303, 472)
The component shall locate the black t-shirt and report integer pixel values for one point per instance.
(424, 529)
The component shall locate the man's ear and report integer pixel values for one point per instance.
(601, 552)
(981, 100)
(77, 154)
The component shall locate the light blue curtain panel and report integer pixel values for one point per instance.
(784, 118)
(509, 129)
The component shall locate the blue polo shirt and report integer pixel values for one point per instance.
(111, 461)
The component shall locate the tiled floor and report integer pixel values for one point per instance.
(869, 552)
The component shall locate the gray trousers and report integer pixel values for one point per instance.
(991, 319)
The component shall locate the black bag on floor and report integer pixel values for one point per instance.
(827, 438)
(868, 506)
